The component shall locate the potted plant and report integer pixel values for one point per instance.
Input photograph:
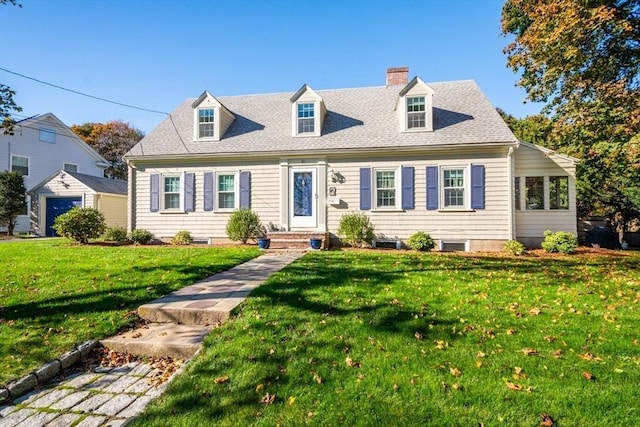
(315, 243)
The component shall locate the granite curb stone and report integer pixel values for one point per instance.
(48, 371)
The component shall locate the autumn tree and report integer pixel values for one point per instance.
(535, 129)
(112, 140)
(582, 59)
(12, 199)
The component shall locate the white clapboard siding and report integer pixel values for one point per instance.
(531, 161)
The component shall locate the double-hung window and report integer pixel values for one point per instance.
(171, 192)
(453, 187)
(206, 128)
(386, 188)
(20, 164)
(226, 191)
(306, 118)
(415, 112)
(534, 192)
(558, 192)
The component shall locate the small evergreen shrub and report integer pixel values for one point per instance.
(80, 224)
(115, 234)
(243, 225)
(140, 236)
(182, 238)
(513, 247)
(560, 241)
(356, 229)
(420, 241)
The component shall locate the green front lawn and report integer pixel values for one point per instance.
(399, 338)
(54, 295)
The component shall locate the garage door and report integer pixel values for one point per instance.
(57, 206)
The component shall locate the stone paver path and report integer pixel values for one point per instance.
(101, 397)
(112, 396)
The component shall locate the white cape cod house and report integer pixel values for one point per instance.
(413, 156)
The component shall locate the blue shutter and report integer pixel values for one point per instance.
(365, 189)
(432, 188)
(477, 186)
(407, 187)
(245, 189)
(209, 179)
(154, 196)
(189, 193)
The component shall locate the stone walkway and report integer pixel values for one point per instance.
(113, 396)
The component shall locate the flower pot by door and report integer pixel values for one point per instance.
(264, 243)
(315, 243)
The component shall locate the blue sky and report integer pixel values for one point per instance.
(155, 54)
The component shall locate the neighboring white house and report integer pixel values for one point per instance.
(413, 156)
(64, 189)
(39, 147)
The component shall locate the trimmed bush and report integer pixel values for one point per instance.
(420, 241)
(513, 247)
(356, 230)
(115, 234)
(80, 224)
(140, 236)
(560, 241)
(244, 225)
(182, 238)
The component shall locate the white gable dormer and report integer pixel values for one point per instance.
(211, 118)
(307, 112)
(415, 107)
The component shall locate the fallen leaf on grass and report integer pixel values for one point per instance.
(511, 331)
(291, 400)
(518, 374)
(514, 386)
(590, 357)
(547, 421)
(268, 399)
(418, 335)
(351, 363)
(317, 378)
(221, 380)
(535, 311)
(530, 351)
(441, 345)
(455, 372)
(588, 376)
(260, 387)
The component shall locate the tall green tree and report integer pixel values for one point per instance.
(12, 199)
(112, 140)
(582, 58)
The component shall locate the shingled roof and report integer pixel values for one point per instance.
(362, 118)
(100, 184)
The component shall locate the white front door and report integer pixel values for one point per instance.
(303, 198)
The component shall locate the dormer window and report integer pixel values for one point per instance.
(306, 118)
(211, 119)
(415, 107)
(415, 112)
(206, 123)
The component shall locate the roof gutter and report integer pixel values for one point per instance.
(323, 152)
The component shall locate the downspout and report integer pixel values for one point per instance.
(510, 172)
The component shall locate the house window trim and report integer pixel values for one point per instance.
(23, 157)
(180, 208)
(196, 126)
(298, 118)
(423, 112)
(548, 193)
(44, 130)
(65, 164)
(466, 188)
(397, 207)
(236, 191)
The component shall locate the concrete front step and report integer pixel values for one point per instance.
(160, 340)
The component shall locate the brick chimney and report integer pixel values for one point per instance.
(397, 76)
